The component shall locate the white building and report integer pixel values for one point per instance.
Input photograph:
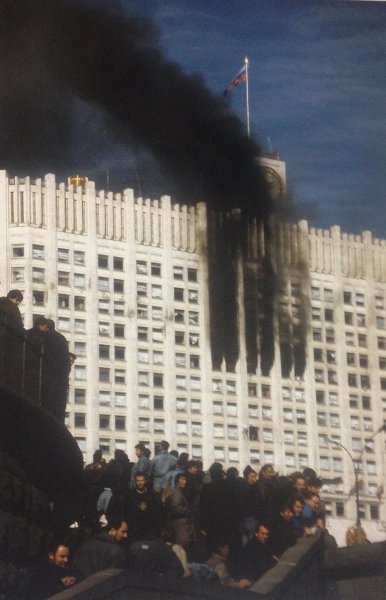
(126, 281)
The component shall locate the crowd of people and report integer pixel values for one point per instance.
(166, 515)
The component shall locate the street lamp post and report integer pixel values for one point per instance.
(356, 464)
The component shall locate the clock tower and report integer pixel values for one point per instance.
(274, 170)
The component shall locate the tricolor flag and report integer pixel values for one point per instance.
(240, 77)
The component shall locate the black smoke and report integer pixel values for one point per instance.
(54, 54)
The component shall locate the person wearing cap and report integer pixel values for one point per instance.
(142, 465)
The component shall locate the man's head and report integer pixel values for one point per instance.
(297, 507)
(267, 472)
(300, 485)
(15, 296)
(180, 481)
(140, 481)
(262, 533)
(59, 555)
(251, 478)
(51, 325)
(191, 467)
(118, 529)
(164, 445)
(286, 512)
(140, 449)
(223, 550)
(41, 324)
(313, 500)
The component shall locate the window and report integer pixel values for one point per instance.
(63, 301)
(178, 294)
(103, 284)
(156, 291)
(79, 396)
(158, 357)
(320, 399)
(142, 334)
(178, 272)
(156, 269)
(104, 421)
(63, 255)
(80, 372)
(315, 313)
(361, 320)
(267, 435)
(295, 289)
(218, 431)
(104, 351)
(355, 422)
(332, 377)
(380, 322)
(104, 445)
(38, 298)
(156, 313)
(322, 441)
(333, 399)
(79, 257)
(349, 338)
(195, 383)
(143, 401)
(179, 338)
(38, 275)
(194, 361)
(80, 303)
(104, 328)
(195, 405)
(267, 413)
(104, 306)
(289, 459)
(360, 299)
(366, 402)
(181, 428)
(79, 420)
(79, 280)
(120, 376)
(331, 357)
(230, 387)
(301, 417)
(143, 378)
(334, 420)
(197, 429)
(141, 267)
(37, 252)
(63, 324)
(142, 313)
(193, 318)
(79, 326)
(288, 414)
(143, 356)
(322, 419)
(367, 424)
(219, 453)
(328, 314)
(253, 433)
(181, 404)
(231, 410)
(158, 380)
(374, 512)
(119, 330)
(104, 398)
(363, 361)
(159, 426)
(180, 360)
(371, 468)
(119, 353)
(330, 336)
(328, 295)
(179, 316)
(17, 274)
(141, 289)
(81, 441)
(117, 263)
(157, 335)
(319, 375)
(181, 382)
(266, 390)
(352, 379)
(80, 349)
(317, 334)
(365, 382)
(103, 261)
(194, 339)
(318, 355)
(350, 358)
(192, 274)
(362, 340)
(315, 293)
(252, 389)
(193, 296)
(348, 318)
(353, 401)
(119, 286)
(120, 423)
(289, 437)
(104, 374)
(17, 251)
(217, 408)
(324, 463)
(158, 402)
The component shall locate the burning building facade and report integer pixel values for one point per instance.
(261, 351)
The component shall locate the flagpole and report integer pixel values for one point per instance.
(246, 63)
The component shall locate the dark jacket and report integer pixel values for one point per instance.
(99, 553)
(256, 559)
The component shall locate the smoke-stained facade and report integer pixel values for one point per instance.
(235, 342)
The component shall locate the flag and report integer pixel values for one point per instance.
(240, 77)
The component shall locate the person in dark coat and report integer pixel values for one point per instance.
(103, 551)
(11, 340)
(179, 519)
(53, 575)
(57, 366)
(282, 534)
(145, 510)
(256, 558)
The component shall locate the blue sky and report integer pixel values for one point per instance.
(317, 90)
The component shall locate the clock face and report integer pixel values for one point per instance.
(275, 182)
